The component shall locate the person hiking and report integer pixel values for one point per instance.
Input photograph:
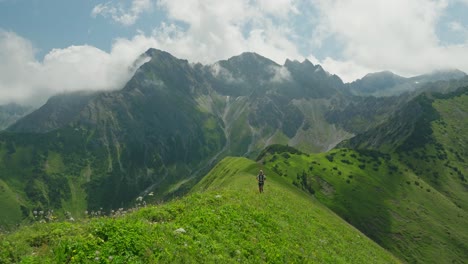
(261, 178)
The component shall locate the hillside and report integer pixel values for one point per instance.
(429, 135)
(224, 220)
(404, 185)
(383, 197)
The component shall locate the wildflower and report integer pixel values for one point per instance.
(180, 230)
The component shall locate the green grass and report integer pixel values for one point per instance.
(223, 220)
(9, 203)
(384, 199)
(76, 205)
(450, 131)
(54, 163)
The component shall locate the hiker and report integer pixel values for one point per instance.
(261, 178)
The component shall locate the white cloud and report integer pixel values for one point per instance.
(220, 72)
(455, 26)
(215, 30)
(26, 80)
(279, 8)
(348, 71)
(221, 29)
(396, 35)
(459, 29)
(280, 74)
(376, 35)
(126, 16)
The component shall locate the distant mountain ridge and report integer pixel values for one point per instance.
(386, 83)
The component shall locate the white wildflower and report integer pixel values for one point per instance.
(180, 231)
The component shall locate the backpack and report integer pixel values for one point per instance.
(261, 178)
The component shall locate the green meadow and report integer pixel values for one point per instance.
(223, 220)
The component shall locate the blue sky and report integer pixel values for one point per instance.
(52, 46)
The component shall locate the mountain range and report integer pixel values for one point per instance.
(364, 149)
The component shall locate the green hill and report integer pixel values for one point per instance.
(223, 220)
(381, 196)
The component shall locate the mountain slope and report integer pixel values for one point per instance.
(107, 148)
(429, 136)
(223, 220)
(382, 197)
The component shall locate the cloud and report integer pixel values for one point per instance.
(394, 35)
(220, 72)
(200, 31)
(280, 74)
(121, 14)
(348, 71)
(279, 8)
(217, 30)
(26, 80)
(456, 26)
(459, 29)
(373, 35)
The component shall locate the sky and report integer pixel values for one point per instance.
(54, 46)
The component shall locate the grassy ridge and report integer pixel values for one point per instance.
(224, 220)
(384, 199)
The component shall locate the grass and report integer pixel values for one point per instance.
(223, 220)
(54, 163)
(9, 203)
(384, 199)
